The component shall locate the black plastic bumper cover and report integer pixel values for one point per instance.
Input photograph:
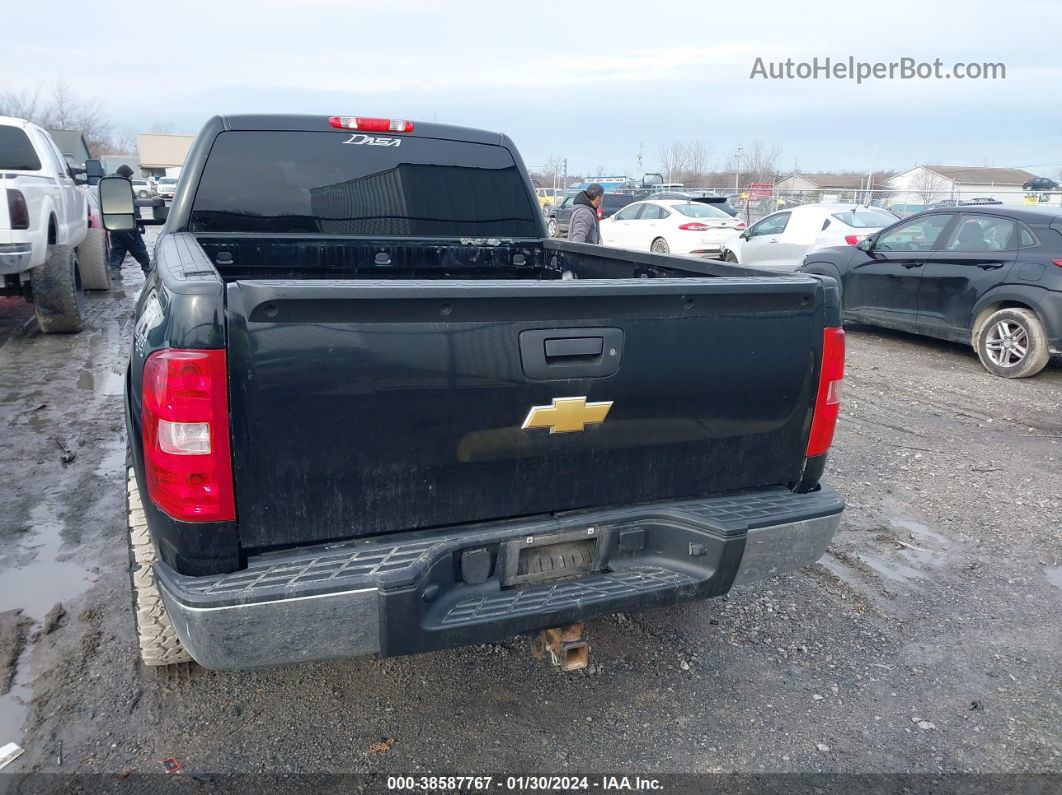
(408, 593)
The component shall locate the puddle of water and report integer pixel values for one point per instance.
(109, 384)
(32, 577)
(86, 381)
(37, 421)
(890, 570)
(113, 462)
(919, 531)
(840, 571)
(1054, 576)
(42, 580)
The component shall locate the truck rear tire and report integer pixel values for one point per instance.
(92, 260)
(57, 292)
(159, 644)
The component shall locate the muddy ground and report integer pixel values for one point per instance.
(927, 639)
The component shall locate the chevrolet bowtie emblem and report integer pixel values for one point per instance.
(567, 415)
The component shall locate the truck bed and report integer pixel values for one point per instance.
(405, 381)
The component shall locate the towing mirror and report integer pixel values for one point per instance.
(116, 204)
(93, 171)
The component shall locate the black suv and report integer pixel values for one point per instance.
(987, 276)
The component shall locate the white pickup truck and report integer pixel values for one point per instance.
(51, 243)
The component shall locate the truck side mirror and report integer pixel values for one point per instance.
(93, 171)
(116, 204)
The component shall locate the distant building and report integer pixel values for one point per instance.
(928, 184)
(73, 146)
(822, 182)
(162, 155)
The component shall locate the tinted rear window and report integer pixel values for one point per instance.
(315, 182)
(16, 151)
(697, 210)
(865, 219)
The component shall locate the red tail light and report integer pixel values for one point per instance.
(694, 227)
(369, 124)
(17, 210)
(741, 226)
(1057, 262)
(853, 239)
(600, 214)
(828, 400)
(187, 458)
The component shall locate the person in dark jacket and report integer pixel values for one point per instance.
(583, 226)
(131, 242)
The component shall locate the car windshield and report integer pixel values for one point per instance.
(692, 210)
(865, 219)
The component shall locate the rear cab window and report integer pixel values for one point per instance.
(314, 182)
(16, 150)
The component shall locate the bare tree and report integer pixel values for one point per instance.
(686, 162)
(61, 109)
(928, 185)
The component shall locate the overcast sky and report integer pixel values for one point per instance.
(589, 81)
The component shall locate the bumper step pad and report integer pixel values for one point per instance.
(600, 588)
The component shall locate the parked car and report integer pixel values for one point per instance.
(165, 187)
(466, 430)
(1040, 183)
(44, 219)
(704, 196)
(670, 226)
(558, 217)
(991, 278)
(781, 240)
(142, 188)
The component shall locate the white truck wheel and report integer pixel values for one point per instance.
(57, 292)
(92, 259)
(159, 644)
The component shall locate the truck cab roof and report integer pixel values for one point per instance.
(314, 123)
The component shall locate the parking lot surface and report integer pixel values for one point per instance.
(926, 640)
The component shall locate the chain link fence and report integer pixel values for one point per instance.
(755, 203)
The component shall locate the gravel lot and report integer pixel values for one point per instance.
(927, 639)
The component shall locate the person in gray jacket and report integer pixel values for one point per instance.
(583, 226)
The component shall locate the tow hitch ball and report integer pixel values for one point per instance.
(565, 645)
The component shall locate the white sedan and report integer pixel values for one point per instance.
(670, 226)
(782, 239)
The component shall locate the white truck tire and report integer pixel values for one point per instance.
(92, 260)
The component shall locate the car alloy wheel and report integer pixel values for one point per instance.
(552, 228)
(1007, 343)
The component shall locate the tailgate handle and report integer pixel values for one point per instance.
(574, 346)
(560, 354)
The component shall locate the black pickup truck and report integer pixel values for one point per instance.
(373, 409)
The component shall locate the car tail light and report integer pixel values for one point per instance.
(600, 214)
(853, 239)
(695, 227)
(828, 399)
(741, 226)
(367, 124)
(187, 457)
(17, 210)
(1057, 262)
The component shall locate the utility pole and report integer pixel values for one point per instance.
(737, 169)
(641, 157)
(870, 176)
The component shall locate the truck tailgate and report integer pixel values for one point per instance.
(409, 397)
